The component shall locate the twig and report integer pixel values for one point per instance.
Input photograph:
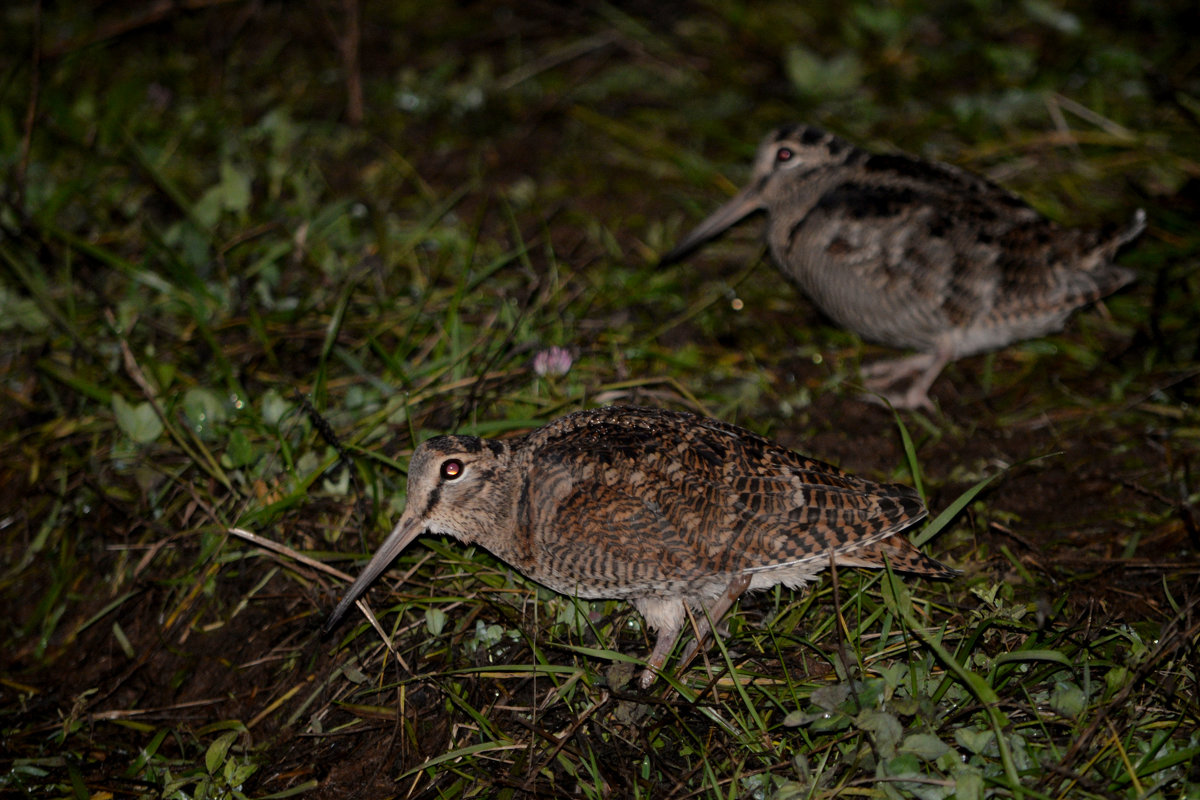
(556, 58)
(154, 14)
(348, 43)
(30, 108)
(1085, 113)
(284, 550)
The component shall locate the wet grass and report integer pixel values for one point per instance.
(225, 307)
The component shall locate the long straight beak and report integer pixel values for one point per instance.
(740, 206)
(407, 529)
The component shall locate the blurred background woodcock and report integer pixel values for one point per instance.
(916, 254)
(670, 511)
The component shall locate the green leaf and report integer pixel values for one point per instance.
(274, 407)
(796, 718)
(215, 755)
(974, 739)
(237, 774)
(1034, 655)
(204, 409)
(884, 728)
(897, 597)
(239, 452)
(1115, 680)
(435, 621)
(487, 635)
(231, 193)
(1068, 699)
(353, 674)
(140, 423)
(828, 722)
(904, 764)
(968, 782)
(21, 312)
(831, 696)
(815, 76)
(462, 752)
(925, 746)
(910, 455)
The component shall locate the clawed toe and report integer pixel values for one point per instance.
(887, 379)
(912, 399)
(701, 627)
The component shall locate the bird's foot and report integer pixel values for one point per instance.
(701, 625)
(887, 380)
(911, 399)
(658, 656)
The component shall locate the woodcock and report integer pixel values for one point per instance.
(916, 254)
(670, 511)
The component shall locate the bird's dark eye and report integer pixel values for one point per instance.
(452, 469)
(784, 154)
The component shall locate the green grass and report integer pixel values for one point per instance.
(224, 307)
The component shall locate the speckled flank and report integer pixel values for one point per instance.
(917, 254)
(665, 509)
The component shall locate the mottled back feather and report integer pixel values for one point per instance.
(686, 498)
(666, 509)
(916, 254)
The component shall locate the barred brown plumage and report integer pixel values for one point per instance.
(665, 509)
(916, 254)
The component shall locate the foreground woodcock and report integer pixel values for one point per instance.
(667, 510)
(916, 254)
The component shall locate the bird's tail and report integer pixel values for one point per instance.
(901, 554)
